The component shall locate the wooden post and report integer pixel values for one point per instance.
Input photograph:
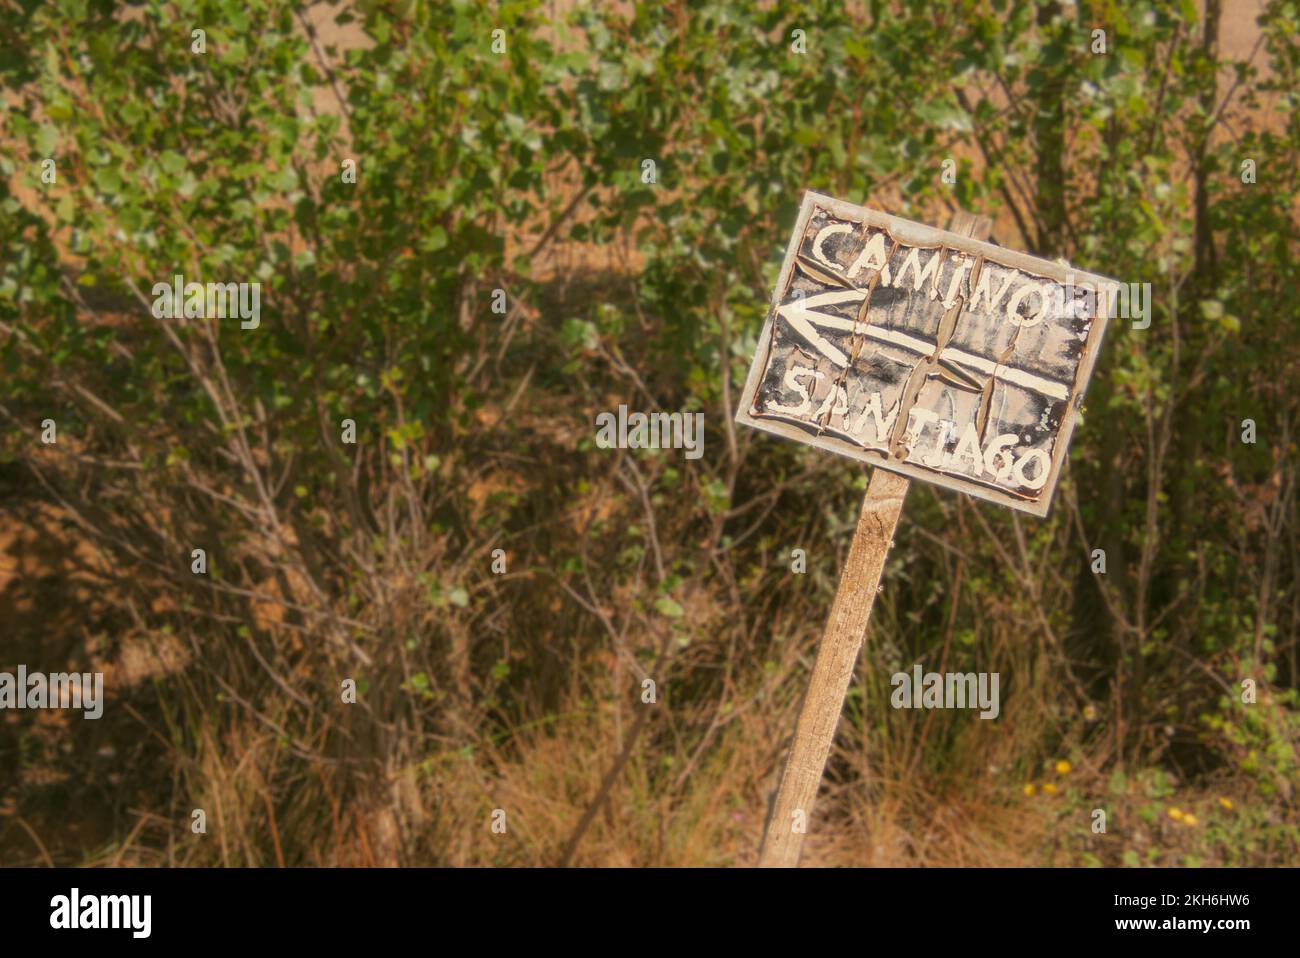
(837, 654)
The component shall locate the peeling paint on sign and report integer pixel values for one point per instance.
(950, 360)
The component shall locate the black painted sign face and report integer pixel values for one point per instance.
(924, 352)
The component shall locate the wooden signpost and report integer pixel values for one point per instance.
(933, 355)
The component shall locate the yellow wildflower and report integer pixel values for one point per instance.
(1189, 819)
(1176, 814)
(1226, 803)
(1049, 788)
(1029, 789)
(1063, 767)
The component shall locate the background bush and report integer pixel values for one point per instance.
(521, 172)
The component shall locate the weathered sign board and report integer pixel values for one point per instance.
(935, 356)
(928, 353)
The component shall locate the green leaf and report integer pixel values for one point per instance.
(47, 140)
(668, 607)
